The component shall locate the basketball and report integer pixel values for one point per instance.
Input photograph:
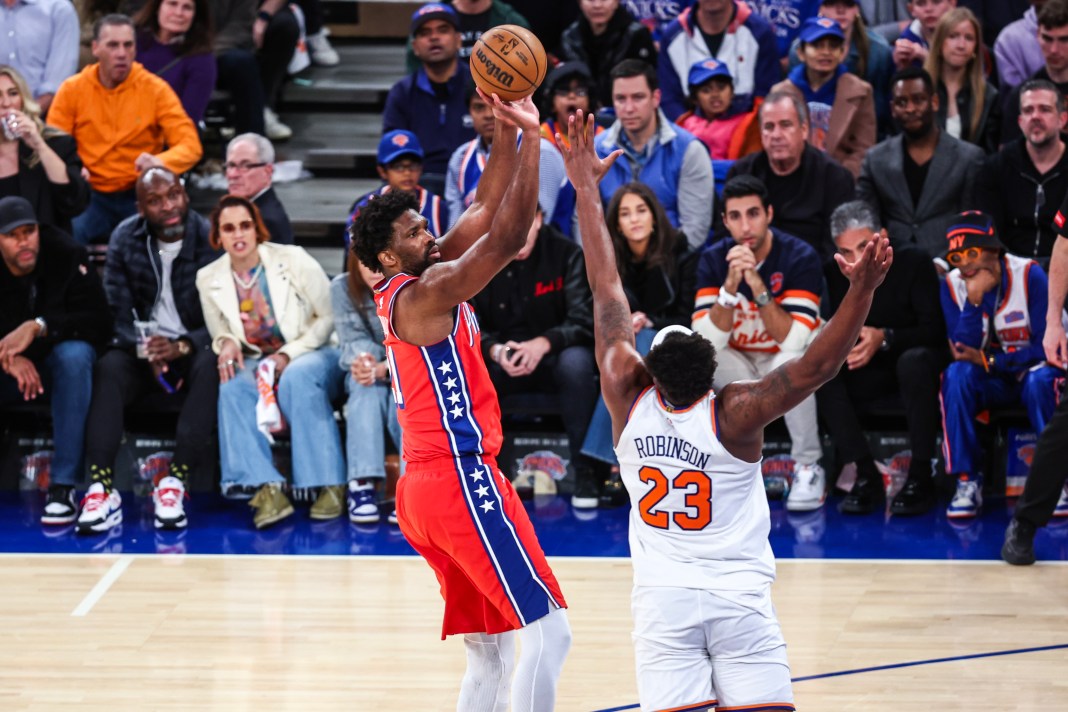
(509, 61)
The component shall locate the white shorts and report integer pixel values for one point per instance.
(697, 650)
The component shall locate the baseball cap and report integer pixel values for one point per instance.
(398, 143)
(972, 228)
(702, 71)
(15, 211)
(567, 70)
(816, 28)
(434, 11)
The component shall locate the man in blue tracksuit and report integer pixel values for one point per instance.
(995, 309)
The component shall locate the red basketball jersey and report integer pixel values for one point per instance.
(446, 402)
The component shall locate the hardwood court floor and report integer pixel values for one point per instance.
(262, 633)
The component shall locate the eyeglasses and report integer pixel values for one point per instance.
(405, 167)
(957, 257)
(580, 92)
(242, 167)
(230, 228)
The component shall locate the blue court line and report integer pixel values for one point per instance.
(893, 666)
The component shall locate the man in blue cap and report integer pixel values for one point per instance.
(400, 165)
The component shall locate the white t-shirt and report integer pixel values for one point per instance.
(165, 311)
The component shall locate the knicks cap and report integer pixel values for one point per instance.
(972, 228)
(662, 334)
(398, 143)
(701, 72)
(434, 11)
(816, 28)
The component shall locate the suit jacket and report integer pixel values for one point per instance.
(950, 188)
(274, 217)
(852, 130)
(54, 204)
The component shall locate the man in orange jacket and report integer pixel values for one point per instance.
(125, 119)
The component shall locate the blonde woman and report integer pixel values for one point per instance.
(968, 106)
(264, 302)
(38, 162)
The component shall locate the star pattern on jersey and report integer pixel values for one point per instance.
(456, 412)
(486, 506)
(445, 367)
(482, 490)
(475, 475)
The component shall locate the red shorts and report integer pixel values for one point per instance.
(464, 517)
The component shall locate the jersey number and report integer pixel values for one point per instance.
(698, 486)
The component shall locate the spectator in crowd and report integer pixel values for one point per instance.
(431, 102)
(249, 174)
(270, 304)
(159, 343)
(603, 36)
(1017, 55)
(38, 162)
(995, 309)
(174, 42)
(1046, 489)
(1023, 184)
(40, 40)
(568, 88)
(995, 15)
(96, 107)
(469, 159)
(968, 106)
(728, 133)
(667, 158)
(1053, 42)
(841, 112)
(659, 273)
(888, 18)
(370, 412)
(53, 317)
(758, 303)
(316, 35)
(536, 318)
(400, 164)
(919, 180)
(254, 43)
(474, 17)
(868, 54)
(901, 350)
(912, 47)
(727, 30)
(804, 183)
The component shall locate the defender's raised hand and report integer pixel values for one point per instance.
(871, 267)
(522, 114)
(580, 157)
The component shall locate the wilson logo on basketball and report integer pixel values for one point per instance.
(492, 71)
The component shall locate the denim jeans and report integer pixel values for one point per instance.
(306, 392)
(369, 414)
(598, 443)
(67, 378)
(105, 211)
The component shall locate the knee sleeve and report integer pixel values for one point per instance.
(543, 646)
(490, 659)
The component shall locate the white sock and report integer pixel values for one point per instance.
(490, 659)
(543, 645)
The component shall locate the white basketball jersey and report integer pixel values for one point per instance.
(699, 516)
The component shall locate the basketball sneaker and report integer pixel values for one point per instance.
(968, 499)
(363, 507)
(1061, 510)
(321, 51)
(101, 510)
(1019, 547)
(392, 519)
(168, 498)
(60, 507)
(808, 490)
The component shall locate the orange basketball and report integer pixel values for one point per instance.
(509, 61)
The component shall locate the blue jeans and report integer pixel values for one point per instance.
(598, 442)
(105, 211)
(67, 378)
(369, 414)
(306, 391)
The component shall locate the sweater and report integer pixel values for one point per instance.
(191, 76)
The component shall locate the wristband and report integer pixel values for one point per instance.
(264, 15)
(726, 299)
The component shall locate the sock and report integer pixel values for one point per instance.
(101, 475)
(181, 472)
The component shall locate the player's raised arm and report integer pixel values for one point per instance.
(498, 174)
(750, 405)
(622, 373)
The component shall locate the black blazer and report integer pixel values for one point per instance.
(274, 217)
(55, 205)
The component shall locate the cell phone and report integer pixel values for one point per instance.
(508, 353)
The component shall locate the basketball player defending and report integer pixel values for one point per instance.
(705, 631)
(454, 505)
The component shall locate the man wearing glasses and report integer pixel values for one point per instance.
(249, 172)
(995, 309)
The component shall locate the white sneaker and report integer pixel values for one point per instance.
(168, 498)
(276, 130)
(320, 50)
(101, 510)
(808, 489)
(1061, 510)
(967, 501)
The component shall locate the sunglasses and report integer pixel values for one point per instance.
(957, 257)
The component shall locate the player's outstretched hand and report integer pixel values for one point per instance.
(871, 267)
(580, 157)
(522, 114)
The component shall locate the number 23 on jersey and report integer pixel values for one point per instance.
(695, 487)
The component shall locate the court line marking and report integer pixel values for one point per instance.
(111, 576)
(893, 666)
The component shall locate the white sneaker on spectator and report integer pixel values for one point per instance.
(101, 510)
(320, 50)
(808, 490)
(1061, 510)
(60, 507)
(276, 130)
(168, 498)
(968, 499)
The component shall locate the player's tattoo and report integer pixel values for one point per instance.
(613, 323)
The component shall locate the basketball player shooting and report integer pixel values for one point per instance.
(454, 505)
(705, 631)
